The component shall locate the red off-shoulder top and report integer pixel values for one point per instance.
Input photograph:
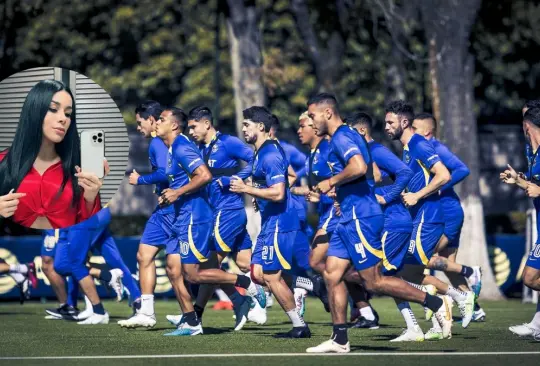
(41, 199)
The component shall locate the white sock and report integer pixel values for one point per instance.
(436, 325)
(88, 303)
(408, 315)
(147, 305)
(456, 294)
(19, 278)
(304, 282)
(535, 322)
(296, 319)
(18, 268)
(222, 295)
(420, 287)
(367, 313)
(300, 292)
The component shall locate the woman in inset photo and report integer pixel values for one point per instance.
(41, 182)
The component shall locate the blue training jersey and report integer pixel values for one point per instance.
(297, 160)
(222, 155)
(184, 159)
(157, 154)
(395, 176)
(356, 198)
(420, 156)
(533, 175)
(458, 171)
(269, 168)
(317, 170)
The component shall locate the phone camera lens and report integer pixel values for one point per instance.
(94, 137)
(100, 134)
(100, 140)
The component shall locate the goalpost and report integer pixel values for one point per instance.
(531, 236)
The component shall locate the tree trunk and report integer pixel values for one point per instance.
(474, 229)
(435, 92)
(326, 61)
(246, 57)
(450, 23)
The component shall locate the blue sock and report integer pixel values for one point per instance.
(98, 309)
(237, 299)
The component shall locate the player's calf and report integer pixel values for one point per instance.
(531, 278)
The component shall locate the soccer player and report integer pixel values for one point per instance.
(68, 300)
(397, 219)
(357, 238)
(317, 169)
(158, 232)
(423, 201)
(221, 153)
(70, 259)
(300, 276)
(530, 183)
(424, 124)
(188, 176)
(274, 249)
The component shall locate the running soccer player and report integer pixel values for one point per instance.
(274, 249)
(423, 201)
(398, 225)
(221, 153)
(424, 124)
(158, 232)
(68, 300)
(188, 176)
(530, 183)
(301, 276)
(357, 237)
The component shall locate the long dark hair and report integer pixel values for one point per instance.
(27, 141)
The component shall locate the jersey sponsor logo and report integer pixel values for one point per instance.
(433, 157)
(193, 162)
(277, 176)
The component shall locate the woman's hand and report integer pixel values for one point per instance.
(9, 203)
(90, 182)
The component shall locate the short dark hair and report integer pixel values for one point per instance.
(200, 112)
(325, 98)
(360, 118)
(401, 108)
(149, 108)
(532, 103)
(275, 122)
(425, 115)
(179, 115)
(532, 115)
(260, 114)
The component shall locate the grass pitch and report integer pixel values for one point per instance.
(25, 333)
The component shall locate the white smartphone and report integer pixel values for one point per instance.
(93, 152)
